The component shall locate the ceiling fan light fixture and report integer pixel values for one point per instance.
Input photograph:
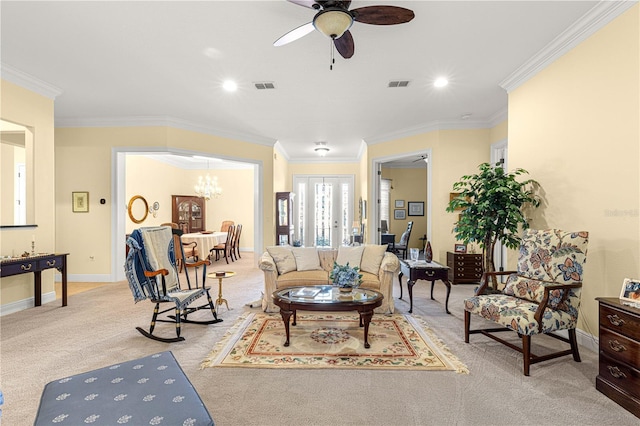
(333, 22)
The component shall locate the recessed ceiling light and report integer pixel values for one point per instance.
(230, 86)
(440, 82)
(466, 116)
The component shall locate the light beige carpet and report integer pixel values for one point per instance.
(333, 340)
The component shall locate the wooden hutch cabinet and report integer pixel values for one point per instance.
(464, 267)
(619, 339)
(284, 218)
(188, 211)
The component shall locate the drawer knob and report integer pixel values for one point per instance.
(26, 267)
(615, 372)
(615, 320)
(617, 346)
(51, 262)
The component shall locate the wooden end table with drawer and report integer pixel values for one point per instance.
(422, 270)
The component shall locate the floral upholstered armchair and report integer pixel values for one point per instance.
(541, 297)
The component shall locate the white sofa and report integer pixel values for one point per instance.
(286, 266)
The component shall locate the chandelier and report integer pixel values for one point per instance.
(208, 187)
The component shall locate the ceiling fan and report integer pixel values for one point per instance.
(334, 20)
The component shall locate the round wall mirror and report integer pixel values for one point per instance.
(138, 209)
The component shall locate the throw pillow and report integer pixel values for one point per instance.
(306, 258)
(372, 258)
(352, 255)
(283, 257)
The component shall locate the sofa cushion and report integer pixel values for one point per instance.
(306, 258)
(299, 278)
(283, 257)
(370, 281)
(350, 255)
(372, 258)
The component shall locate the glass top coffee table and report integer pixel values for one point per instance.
(327, 298)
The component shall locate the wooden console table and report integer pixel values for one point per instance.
(36, 264)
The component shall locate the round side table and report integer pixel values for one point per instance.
(220, 275)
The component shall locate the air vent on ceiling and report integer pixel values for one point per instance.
(261, 85)
(399, 83)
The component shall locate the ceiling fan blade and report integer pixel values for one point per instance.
(294, 34)
(305, 3)
(345, 45)
(382, 15)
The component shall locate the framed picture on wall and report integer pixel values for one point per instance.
(416, 208)
(399, 214)
(399, 204)
(80, 202)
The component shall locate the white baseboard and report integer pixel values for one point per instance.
(23, 304)
(587, 340)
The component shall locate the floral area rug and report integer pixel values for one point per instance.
(333, 340)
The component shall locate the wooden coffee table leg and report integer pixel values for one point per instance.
(365, 317)
(286, 315)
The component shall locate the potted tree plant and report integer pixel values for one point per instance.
(491, 208)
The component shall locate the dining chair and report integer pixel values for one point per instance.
(225, 225)
(235, 249)
(225, 248)
(189, 250)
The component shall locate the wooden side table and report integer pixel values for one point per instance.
(421, 270)
(220, 275)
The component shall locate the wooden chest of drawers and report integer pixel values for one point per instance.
(464, 267)
(619, 371)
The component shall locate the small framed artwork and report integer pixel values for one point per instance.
(460, 248)
(453, 196)
(630, 290)
(80, 202)
(399, 214)
(416, 208)
(399, 204)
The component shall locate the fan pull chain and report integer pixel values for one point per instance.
(333, 59)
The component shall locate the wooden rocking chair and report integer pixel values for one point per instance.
(152, 274)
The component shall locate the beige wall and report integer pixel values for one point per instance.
(27, 108)
(454, 153)
(575, 128)
(235, 203)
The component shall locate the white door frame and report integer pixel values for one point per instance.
(499, 152)
(119, 202)
(298, 178)
(376, 165)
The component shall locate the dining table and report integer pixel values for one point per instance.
(206, 241)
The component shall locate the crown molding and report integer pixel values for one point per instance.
(592, 21)
(29, 82)
(437, 126)
(161, 121)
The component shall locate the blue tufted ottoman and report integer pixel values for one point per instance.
(152, 390)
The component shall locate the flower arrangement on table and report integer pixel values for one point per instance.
(345, 276)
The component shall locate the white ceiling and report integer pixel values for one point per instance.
(163, 62)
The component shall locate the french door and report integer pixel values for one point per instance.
(323, 210)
